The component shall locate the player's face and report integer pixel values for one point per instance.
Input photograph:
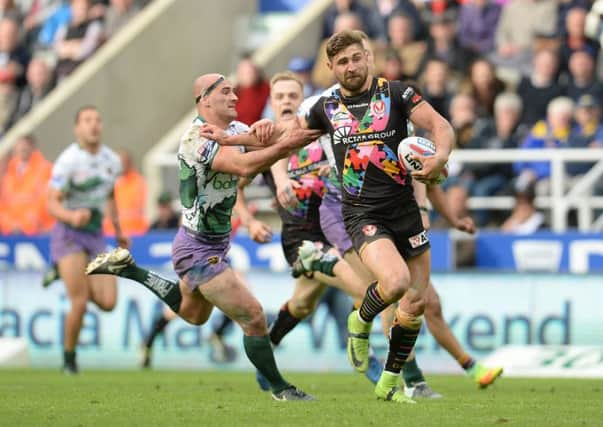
(89, 127)
(224, 101)
(350, 67)
(285, 99)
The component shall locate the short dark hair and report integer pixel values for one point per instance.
(82, 109)
(341, 40)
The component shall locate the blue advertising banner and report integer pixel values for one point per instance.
(484, 311)
(154, 249)
(571, 252)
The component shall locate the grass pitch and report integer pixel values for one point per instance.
(168, 398)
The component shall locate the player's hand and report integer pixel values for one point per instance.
(123, 241)
(80, 217)
(214, 133)
(432, 168)
(259, 231)
(324, 170)
(262, 129)
(465, 224)
(298, 137)
(285, 193)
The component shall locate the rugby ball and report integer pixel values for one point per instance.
(416, 145)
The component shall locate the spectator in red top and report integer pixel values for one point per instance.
(253, 91)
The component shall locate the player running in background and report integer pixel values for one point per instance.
(82, 184)
(367, 119)
(211, 161)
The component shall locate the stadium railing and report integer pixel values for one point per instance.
(558, 203)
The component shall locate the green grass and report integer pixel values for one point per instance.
(166, 398)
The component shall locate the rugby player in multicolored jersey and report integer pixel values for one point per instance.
(82, 183)
(300, 174)
(367, 118)
(331, 221)
(211, 160)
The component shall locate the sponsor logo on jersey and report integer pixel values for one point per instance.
(378, 109)
(369, 230)
(342, 136)
(213, 259)
(418, 239)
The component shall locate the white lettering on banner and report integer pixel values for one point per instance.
(579, 253)
(161, 249)
(239, 257)
(549, 361)
(28, 257)
(273, 252)
(537, 255)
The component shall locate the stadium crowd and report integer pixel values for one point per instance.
(506, 73)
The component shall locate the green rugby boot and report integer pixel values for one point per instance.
(358, 342)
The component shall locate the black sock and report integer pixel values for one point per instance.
(411, 373)
(167, 290)
(372, 304)
(158, 327)
(222, 325)
(69, 357)
(283, 324)
(401, 342)
(259, 352)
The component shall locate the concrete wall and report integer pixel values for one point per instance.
(142, 79)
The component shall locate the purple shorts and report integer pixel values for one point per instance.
(199, 258)
(331, 221)
(65, 240)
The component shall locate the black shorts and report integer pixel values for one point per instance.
(294, 234)
(403, 227)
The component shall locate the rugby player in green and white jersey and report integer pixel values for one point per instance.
(211, 162)
(82, 183)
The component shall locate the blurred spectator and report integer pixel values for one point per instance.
(13, 60)
(400, 30)
(525, 218)
(98, 8)
(484, 86)
(302, 68)
(554, 132)
(167, 217)
(369, 19)
(36, 12)
(322, 77)
(587, 132)
(564, 7)
(253, 91)
(78, 40)
(59, 17)
(434, 86)
(443, 44)
(389, 8)
(8, 9)
(393, 68)
(24, 191)
(593, 26)
(39, 82)
(118, 14)
(130, 197)
(520, 23)
(540, 88)
(575, 39)
(582, 79)
(477, 25)
(471, 132)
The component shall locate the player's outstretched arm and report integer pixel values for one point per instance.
(231, 160)
(442, 134)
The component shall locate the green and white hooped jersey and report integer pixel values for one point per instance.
(86, 179)
(207, 196)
